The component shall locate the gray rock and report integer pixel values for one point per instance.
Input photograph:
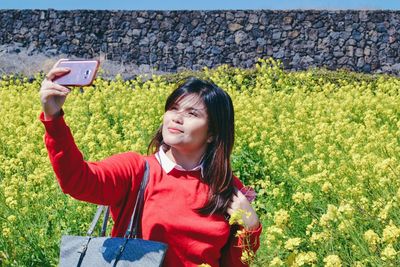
(318, 24)
(334, 35)
(345, 35)
(197, 42)
(396, 68)
(280, 54)
(351, 42)
(287, 20)
(363, 15)
(261, 41)
(189, 49)
(307, 60)
(240, 36)
(312, 34)
(296, 59)
(322, 32)
(350, 51)
(276, 35)
(161, 45)
(370, 25)
(234, 27)
(253, 18)
(141, 20)
(293, 34)
(144, 41)
(341, 42)
(359, 52)
(367, 51)
(229, 16)
(270, 51)
(240, 14)
(366, 68)
(357, 35)
(360, 62)
(338, 54)
(342, 61)
(216, 50)
(180, 46)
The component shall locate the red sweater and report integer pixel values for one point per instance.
(169, 212)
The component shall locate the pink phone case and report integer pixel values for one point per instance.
(82, 72)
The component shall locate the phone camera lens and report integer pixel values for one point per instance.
(87, 73)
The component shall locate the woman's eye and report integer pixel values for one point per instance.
(191, 113)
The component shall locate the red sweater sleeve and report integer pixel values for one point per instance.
(106, 182)
(232, 252)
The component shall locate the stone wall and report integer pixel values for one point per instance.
(367, 41)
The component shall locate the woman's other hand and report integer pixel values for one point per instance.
(240, 202)
(52, 95)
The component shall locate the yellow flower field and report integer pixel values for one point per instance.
(322, 150)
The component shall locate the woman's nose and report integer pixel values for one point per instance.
(177, 117)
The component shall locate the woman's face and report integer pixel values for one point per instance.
(185, 125)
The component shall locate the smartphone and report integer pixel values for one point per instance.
(82, 72)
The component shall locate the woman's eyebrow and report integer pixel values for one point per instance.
(201, 110)
(190, 107)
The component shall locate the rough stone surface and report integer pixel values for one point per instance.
(365, 41)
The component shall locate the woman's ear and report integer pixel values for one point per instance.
(210, 139)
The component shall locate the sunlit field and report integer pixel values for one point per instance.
(321, 148)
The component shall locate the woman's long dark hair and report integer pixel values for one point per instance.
(217, 172)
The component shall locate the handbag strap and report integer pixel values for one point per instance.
(137, 211)
(95, 219)
(133, 227)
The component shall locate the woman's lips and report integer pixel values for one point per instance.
(174, 130)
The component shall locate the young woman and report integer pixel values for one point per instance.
(191, 189)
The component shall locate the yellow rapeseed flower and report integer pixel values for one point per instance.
(390, 233)
(300, 197)
(6, 232)
(388, 253)
(332, 261)
(281, 218)
(330, 215)
(305, 258)
(319, 237)
(276, 262)
(11, 218)
(372, 239)
(292, 243)
(326, 187)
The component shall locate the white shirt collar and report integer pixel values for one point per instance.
(168, 165)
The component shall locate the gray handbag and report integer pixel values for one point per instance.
(113, 251)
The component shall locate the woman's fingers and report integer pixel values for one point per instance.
(238, 201)
(52, 92)
(53, 86)
(50, 89)
(56, 72)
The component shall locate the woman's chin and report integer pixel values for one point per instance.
(171, 142)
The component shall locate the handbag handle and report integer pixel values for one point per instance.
(133, 227)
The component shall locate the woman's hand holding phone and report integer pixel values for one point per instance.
(52, 95)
